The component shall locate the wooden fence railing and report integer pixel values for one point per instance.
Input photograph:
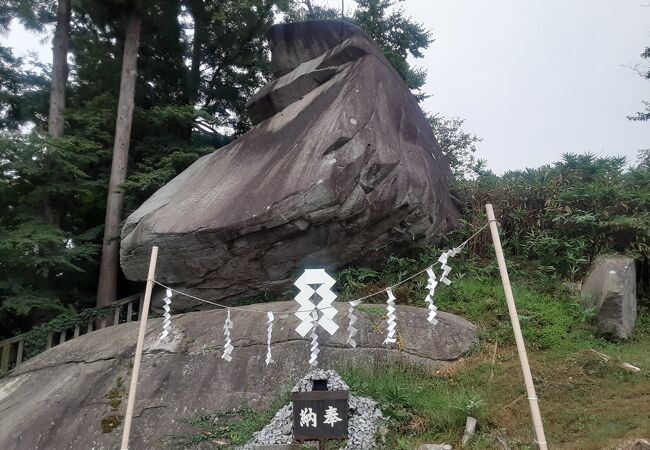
(13, 350)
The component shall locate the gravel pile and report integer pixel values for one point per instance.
(364, 416)
(334, 381)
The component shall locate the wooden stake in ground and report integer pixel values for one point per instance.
(519, 339)
(138, 349)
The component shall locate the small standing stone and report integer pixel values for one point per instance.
(610, 288)
(470, 428)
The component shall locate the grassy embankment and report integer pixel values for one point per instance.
(587, 402)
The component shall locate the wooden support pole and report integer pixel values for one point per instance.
(4, 361)
(138, 349)
(116, 317)
(77, 330)
(519, 339)
(129, 311)
(62, 337)
(90, 327)
(19, 352)
(48, 342)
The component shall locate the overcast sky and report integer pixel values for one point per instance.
(534, 79)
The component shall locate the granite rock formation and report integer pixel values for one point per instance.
(71, 396)
(340, 162)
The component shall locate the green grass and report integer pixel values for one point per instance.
(224, 430)
(548, 321)
(372, 310)
(550, 317)
(420, 407)
(586, 402)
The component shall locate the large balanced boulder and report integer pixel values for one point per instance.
(610, 288)
(340, 166)
(74, 395)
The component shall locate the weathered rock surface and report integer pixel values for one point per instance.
(340, 164)
(610, 287)
(61, 399)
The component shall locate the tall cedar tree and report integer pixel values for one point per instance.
(55, 121)
(109, 266)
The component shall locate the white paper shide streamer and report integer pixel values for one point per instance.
(445, 268)
(313, 315)
(444, 278)
(227, 346)
(352, 319)
(269, 333)
(443, 261)
(390, 318)
(431, 286)
(314, 350)
(326, 312)
(167, 322)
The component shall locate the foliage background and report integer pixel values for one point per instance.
(559, 217)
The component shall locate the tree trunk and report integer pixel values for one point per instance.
(108, 270)
(310, 9)
(59, 69)
(197, 10)
(55, 120)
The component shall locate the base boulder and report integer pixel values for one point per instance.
(74, 395)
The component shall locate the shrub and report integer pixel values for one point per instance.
(564, 214)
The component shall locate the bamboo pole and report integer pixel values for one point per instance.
(138, 349)
(519, 339)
